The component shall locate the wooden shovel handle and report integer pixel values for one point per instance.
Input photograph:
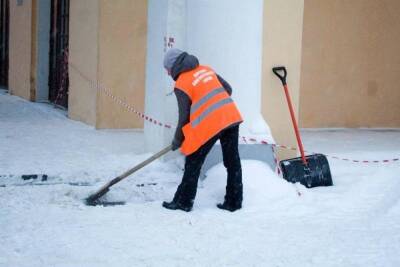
(140, 165)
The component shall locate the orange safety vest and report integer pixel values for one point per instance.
(212, 108)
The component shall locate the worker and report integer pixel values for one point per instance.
(207, 114)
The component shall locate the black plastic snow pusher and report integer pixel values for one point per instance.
(312, 170)
(94, 199)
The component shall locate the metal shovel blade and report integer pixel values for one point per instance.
(315, 173)
(94, 199)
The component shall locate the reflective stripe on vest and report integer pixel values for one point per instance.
(205, 98)
(210, 109)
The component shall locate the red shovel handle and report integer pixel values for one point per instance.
(282, 77)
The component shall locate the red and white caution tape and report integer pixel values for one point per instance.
(329, 156)
(365, 161)
(96, 85)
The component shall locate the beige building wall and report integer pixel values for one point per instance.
(122, 59)
(351, 64)
(282, 40)
(83, 59)
(20, 47)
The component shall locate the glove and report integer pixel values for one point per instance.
(175, 144)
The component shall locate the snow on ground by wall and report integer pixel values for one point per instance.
(354, 223)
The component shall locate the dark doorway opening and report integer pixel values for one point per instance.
(58, 57)
(4, 36)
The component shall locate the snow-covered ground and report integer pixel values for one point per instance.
(354, 223)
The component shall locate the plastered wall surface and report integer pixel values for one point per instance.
(83, 53)
(282, 40)
(20, 49)
(122, 58)
(232, 47)
(156, 81)
(351, 64)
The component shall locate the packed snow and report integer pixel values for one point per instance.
(45, 223)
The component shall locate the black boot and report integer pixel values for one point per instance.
(176, 206)
(229, 206)
(233, 198)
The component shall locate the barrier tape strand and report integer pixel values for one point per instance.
(96, 85)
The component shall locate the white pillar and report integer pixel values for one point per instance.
(166, 29)
(227, 35)
(224, 34)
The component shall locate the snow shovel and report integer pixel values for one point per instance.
(93, 199)
(312, 170)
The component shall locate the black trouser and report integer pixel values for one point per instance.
(229, 138)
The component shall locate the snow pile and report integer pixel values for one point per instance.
(260, 185)
(258, 129)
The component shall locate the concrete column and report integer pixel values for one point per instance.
(121, 62)
(166, 29)
(229, 40)
(227, 35)
(20, 49)
(83, 58)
